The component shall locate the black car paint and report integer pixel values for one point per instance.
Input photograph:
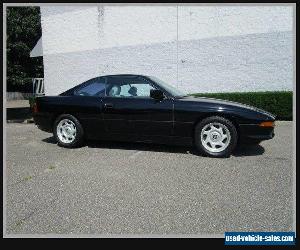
(170, 120)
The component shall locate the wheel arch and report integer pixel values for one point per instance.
(56, 115)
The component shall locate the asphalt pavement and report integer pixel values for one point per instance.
(134, 188)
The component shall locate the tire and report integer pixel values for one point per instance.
(68, 131)
(216, 136)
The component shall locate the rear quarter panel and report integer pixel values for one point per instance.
(86, 109)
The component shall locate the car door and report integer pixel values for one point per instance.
(128, 109)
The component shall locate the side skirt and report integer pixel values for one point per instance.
(167, 140)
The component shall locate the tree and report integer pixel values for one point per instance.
(23, 32)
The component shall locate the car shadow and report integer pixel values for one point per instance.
(50, 140)
(140, 146)
(241, 150)
(248, 150)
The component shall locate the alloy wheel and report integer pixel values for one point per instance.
(215, 137)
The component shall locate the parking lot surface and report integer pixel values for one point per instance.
(133, 188)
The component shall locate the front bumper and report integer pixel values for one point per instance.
(250, 132)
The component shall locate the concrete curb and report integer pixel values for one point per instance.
(26, 121)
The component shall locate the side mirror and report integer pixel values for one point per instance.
(156, 94)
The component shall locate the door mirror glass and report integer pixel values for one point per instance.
(156, 94)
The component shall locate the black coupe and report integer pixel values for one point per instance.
(144, 108)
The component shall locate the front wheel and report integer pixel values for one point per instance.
(216, 136)
(68, 131)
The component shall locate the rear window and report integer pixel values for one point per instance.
(94, 87)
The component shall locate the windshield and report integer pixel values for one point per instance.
(173, 91)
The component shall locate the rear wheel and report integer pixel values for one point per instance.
(216, 136)
(68, 131)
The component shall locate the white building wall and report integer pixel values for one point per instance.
(196, 48)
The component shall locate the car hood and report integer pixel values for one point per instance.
(225, 104)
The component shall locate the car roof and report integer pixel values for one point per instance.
(120, 75)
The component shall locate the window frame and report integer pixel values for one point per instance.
(71, 92)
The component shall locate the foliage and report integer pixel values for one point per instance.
(23, 32)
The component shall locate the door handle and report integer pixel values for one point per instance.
(108, 105)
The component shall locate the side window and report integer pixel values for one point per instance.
(93, 87)
(131, 87)
(124, 90)
(143, 89)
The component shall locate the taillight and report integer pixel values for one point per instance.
(35, 108)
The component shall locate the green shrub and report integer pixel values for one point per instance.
(279, 103)
(31, 101)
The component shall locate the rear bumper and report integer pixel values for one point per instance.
(43, 122)
(253, 132)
